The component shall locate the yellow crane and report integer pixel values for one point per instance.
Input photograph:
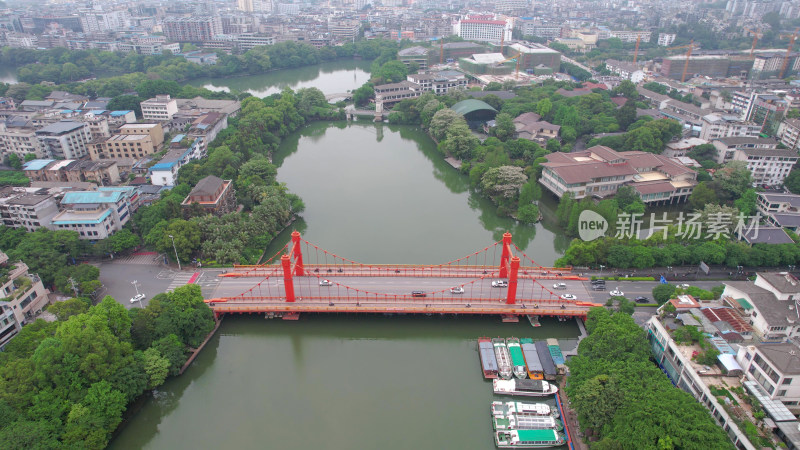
(636, 50)
(690, 47)
(756, 36)
(791, 37)
(515, 58)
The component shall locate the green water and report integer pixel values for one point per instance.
(331, 78)
(373, 193)
(332, 383)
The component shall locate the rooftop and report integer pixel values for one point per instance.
(91, 197)
(61, 127)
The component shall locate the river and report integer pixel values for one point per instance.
(331, 78)
(373, 193)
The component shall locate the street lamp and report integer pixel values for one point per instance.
(176, 251)
(601, 269)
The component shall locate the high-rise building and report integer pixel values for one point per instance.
(192, 29)
(483, 28)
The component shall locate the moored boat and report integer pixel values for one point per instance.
(514, 422)
(488, 361)
(503, 358)
(535, 371)
(517, 360)
(528, 388)
(523, 409)
(528, 439)
(548, 366)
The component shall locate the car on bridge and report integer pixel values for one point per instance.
(325, 283)
(457, 290)
(500, 283)
(418, 294)
(560, 286)
(568, 297)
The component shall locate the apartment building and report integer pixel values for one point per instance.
(631, 36)
(769, 304)
(626, 70)
(192, 29)
(22, 295)
(727, 147)
(666, 39)
(789, 133)
(31, 211)
(133, 140)
(20, 140)
(767, 166)
(205, 129)
(160, 108)
(64, 140)
(94, 215)
(439, 82)
(766, 110)
(599, 171)
(716, 126)
(165, 172)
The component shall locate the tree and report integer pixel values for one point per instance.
(503, 181)
(441, 122)
(504, 128)
(68, 308)
(528, 214)
(14, 162)
(391, 72)
(156, 367)
(309, 98)
(123, 240)
(663, 292)
(628, 200)
(126, 103)
(746, 204)
(627, 114)
(733, 180)
(702, 195)
(627, 89)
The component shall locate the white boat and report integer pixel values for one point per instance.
(503, 358)
(527, 388)
(513, 422)
(523, 409)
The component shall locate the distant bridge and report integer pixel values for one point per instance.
(339, 96)
(332, 284)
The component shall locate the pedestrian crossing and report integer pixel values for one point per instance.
(143, 259)
(202, 279)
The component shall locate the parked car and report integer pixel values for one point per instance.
(616, 293)
(642, 300)
(325, 283)
(568, 297)
(500, 283)
(418, 294)
(560, 286)
(137, 298)
(457, 290)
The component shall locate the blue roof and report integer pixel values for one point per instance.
(98, 220)
(104, 196)
(178, 138)
(97, 112)
(37, 164)
(119, 113)
(163, 166)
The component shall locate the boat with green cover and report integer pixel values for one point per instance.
(517, 359)
(528, 439)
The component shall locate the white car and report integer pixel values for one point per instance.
(457, 290)
(616, 293)
(325, 283)
(560, 286)
(568, 297)
(137, 298)
(500, 283)
(684, 286)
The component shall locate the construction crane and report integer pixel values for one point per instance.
(441, 50)
(756, 36)
(636, 50)
(791, 37)
(690, 47)
(515, 58)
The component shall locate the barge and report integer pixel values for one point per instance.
(527, 388)
(488, 361)
(517, 360)
(528, 439)
(535, 370)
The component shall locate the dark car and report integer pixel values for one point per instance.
(599, 287)
(418, 294)
(596, 282)
(642, 300)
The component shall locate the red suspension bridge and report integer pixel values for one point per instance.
(499, 280)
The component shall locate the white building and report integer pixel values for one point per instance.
(627, 70)
(727, 147)
(666, 39)
(27, 210)
(94, 215)
(775, 367)
(65, 140)
(631, 36)
(160, 108)
(716, 126)
(789, 132)
(20, 141)
(767, 166)
(483, 28)
(770, 304)
(22, 295)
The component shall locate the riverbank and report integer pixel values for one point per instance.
(197, 351)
